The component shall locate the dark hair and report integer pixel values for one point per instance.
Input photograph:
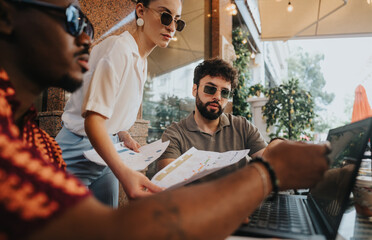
(216, 67)
(144, 2)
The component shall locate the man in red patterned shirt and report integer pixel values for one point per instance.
(45, 43)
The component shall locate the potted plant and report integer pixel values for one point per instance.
(256, 90)
(239, 40)
(290, 110)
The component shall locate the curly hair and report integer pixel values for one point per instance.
(216, 67)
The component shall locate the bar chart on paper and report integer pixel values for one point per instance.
(195, 164)
(136, 161)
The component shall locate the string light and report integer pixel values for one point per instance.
(231, 8)
(244, 41)
(253, 55)
(290, 7)
(174, 39)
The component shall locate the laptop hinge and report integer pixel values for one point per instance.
(320, 222)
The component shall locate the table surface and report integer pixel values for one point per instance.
(352, 227)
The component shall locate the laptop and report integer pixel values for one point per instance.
(318, 214)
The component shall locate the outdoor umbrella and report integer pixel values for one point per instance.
(312, 18)
(361, 109)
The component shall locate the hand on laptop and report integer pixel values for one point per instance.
(297, 165)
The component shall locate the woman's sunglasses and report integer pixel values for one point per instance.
(211, 90)
(166, 19)
(76, 21)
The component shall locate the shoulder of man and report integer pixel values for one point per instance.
(174, 128)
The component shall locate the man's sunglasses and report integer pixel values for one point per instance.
(166, 19)
(76, 21)
(211, 90)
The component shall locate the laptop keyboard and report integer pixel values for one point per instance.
(281, 214)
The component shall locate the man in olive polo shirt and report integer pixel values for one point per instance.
(208, 128)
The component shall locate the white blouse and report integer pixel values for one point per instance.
(113, 87)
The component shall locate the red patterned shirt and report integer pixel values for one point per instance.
(33, 184)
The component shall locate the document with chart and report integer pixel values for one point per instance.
(195, 164)
(136, 161)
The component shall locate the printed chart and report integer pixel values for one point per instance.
(136, 161)
(195, 164)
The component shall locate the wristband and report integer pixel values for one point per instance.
(274, 180)
(263, 177)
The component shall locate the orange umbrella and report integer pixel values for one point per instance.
(361, 109)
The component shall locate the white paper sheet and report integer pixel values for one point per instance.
(136, 161)
(195, 164)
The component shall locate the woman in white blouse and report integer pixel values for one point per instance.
(109, 100)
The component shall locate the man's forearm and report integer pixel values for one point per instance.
(210, 210)
(160, 164)
(207, 211)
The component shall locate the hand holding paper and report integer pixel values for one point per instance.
(195, 164)
(136, 161)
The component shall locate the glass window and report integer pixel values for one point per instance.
(168, 98)
(168, 90)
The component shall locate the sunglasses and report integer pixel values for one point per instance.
(76, 21)
(211, 90)
(166, 19)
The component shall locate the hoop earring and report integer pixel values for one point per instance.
(140, 22)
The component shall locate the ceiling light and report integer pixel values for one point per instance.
(290, 7)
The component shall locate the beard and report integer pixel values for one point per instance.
(69, 83)
(208, 114)
(66, 82)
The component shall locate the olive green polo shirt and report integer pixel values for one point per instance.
(233, 133)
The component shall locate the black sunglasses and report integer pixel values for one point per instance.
(211, 90)
(166, 19)
(76, 21)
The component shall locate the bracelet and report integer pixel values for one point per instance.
(263, 177)
(274, 180)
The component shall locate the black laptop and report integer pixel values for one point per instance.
(318, 214)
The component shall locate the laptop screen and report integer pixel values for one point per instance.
(331, 195)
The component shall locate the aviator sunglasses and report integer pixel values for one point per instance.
(166, 19)
(211, 90)
(76, 21)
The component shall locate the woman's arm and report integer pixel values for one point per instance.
(134, 183)
(128, 141)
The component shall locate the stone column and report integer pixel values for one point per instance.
(218, 28)
(53, 102)
(256, 104)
